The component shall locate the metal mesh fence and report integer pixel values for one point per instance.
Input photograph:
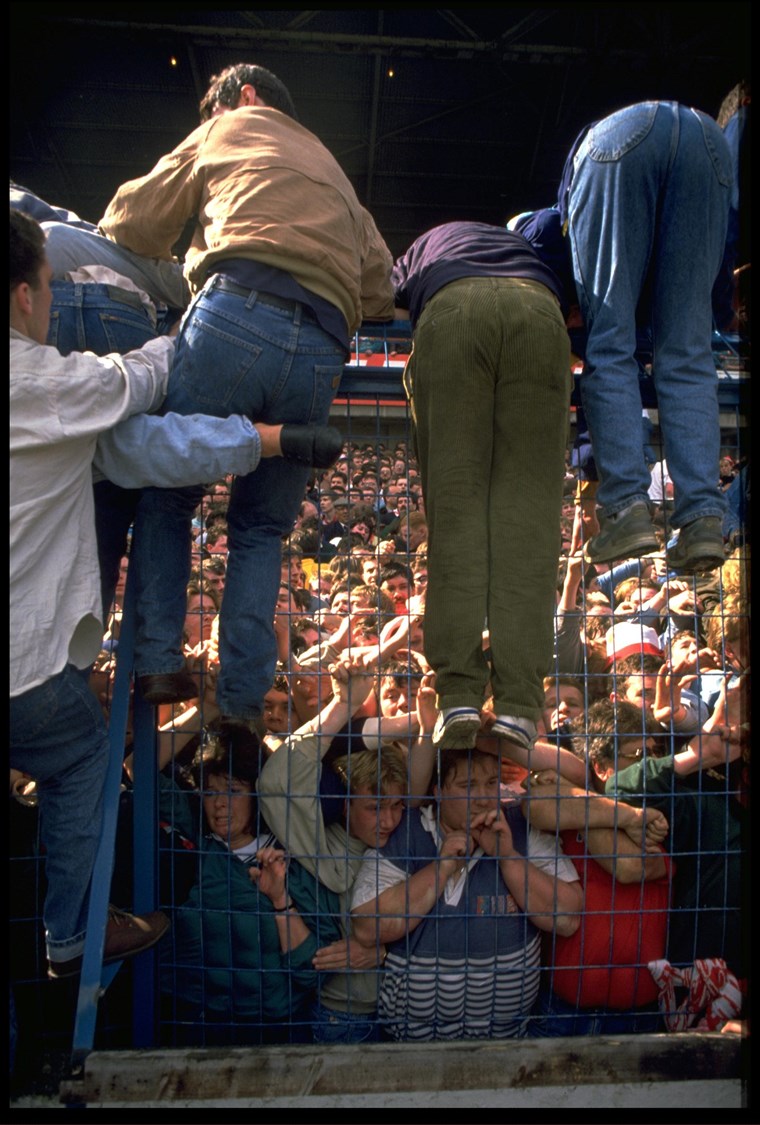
(331, 875)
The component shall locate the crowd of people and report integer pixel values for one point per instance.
(449, 744)
(638, 775)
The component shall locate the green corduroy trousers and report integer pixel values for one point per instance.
(489, 385)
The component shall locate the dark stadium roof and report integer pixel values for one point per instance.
(435, 114)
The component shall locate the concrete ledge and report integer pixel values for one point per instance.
(250, 1075)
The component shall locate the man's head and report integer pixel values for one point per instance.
(291, 567)
(597, 613)
(310, 689)
(630, 594)
(276, 705)
(635, 680)
(564, 699)
(362, 599)
(30, 294)
(308, 510)
(214, 571)
(420, 573)
(613, 736)
(245, 84)
(304, 634)
(398, 684)
(683, 650)
(396, 580)
(202, 605)
(413, 530)
(216, 541)
(376, 784)
(327, 507)
(727, 631)
(341, 508)
(392, 494)
(369, 569)
(340, 599)
(286, 604)
(468, 784)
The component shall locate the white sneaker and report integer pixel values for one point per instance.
(519, 730)
(456, 728)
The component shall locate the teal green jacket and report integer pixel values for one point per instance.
(222, 956)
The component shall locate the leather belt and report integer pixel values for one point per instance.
(265, 298)
(124, 297)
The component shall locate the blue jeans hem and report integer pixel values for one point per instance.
(683, 521)
(639, 497)
(72, 947)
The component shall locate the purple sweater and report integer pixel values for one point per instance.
(457, 250)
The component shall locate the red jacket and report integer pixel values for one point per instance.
(624, 926)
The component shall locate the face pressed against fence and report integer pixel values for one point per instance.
(470, 788)
(230, 808)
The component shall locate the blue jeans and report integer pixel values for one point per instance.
(235, 354)
(648, 208)
(332, 1026)
(58, 735)
(97, 318)
(102, 319)
(115, 510)
(554, 1017)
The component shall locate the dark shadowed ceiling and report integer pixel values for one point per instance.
(434, 114)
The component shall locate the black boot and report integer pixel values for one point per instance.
(316, 446)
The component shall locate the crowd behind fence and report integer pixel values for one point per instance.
(310, 867)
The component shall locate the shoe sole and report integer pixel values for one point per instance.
(703, 565)
(165, 697)
(459, 734)
(512, 735)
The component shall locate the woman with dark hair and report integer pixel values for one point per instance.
(362, 520)
(238, 969)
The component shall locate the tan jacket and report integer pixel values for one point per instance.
(262, 187)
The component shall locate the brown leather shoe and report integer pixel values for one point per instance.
(168, 687)
(126, 936)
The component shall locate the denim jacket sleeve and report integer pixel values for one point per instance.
(175, 450)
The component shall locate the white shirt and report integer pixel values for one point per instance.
(377, 873)
(58, 407)
(659, 489)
